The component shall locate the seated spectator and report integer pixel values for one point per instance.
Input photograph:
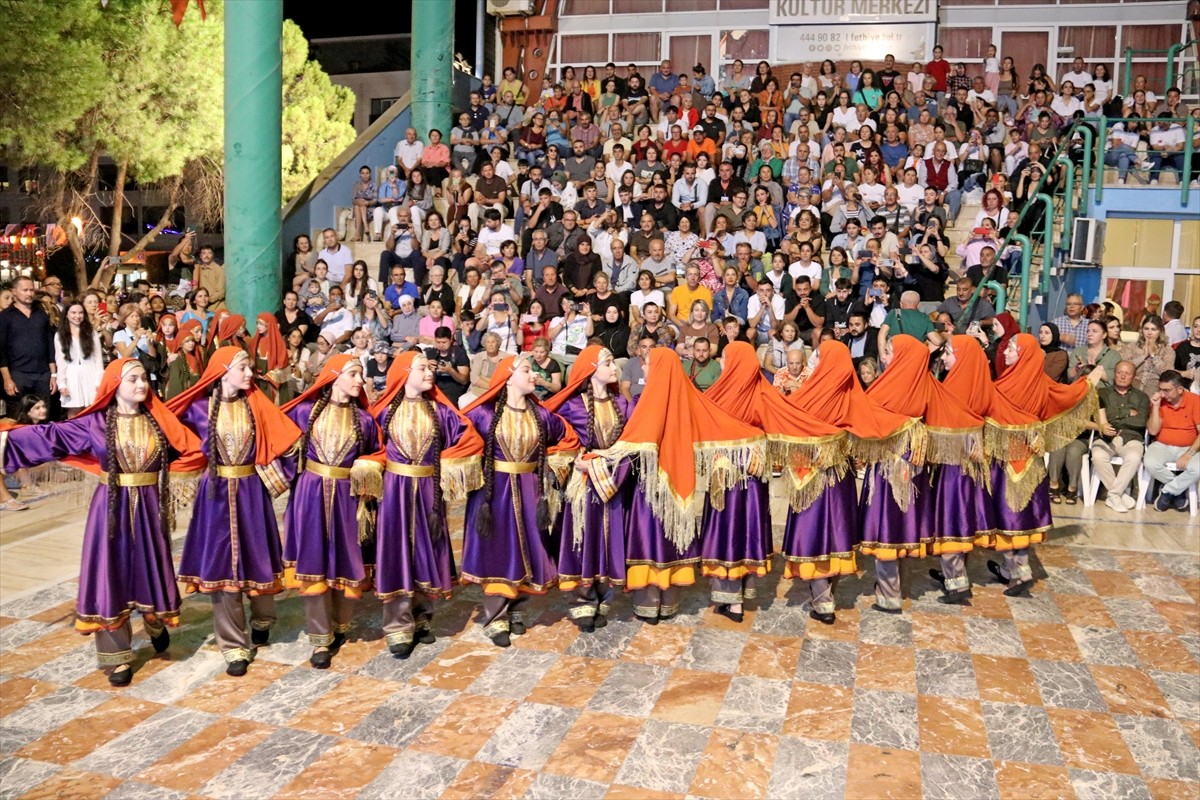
(405, 330)
(793, 375)
(547, 372)
(982, 313)
(633, 374)
(483, 365)
(702, 369)
(862, 339)
(1187, 356)
(683, 296)
(1124, 412)
(1167, 141)
(1175, 425)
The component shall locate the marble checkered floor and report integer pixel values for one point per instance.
(1091, 689)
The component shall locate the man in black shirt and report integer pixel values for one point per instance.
(666, 216)
(805, 307)
(26, 345)
(452, 368)
(720, 192)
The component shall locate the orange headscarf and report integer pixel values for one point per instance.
(504, 371)
(833, 394)
(581, 371)
(330, 371)
(1063, 408)
(272, 341)
(274, 432)
(230, 327)
(801, 442)
(173, 343)
(195, 330)
(179, 436)
(688, 447)
(470, 444)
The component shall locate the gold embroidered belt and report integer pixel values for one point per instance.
(132, 479)
(326, 471)
(515, 467)
(409, 470)
(235, 472)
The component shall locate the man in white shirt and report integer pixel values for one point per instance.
(1166, 147)
(409, 150)
(492, 235)
(689, 194)
(618, 166)
(336, 255)
(1078, 76)
(764, 311)
(979, 91)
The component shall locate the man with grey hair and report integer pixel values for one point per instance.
(622, 270)
(1124, 412)
(907, 319)
(409, 150)
(1072, 326)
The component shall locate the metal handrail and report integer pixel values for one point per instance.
(1171, 53)
(1036, 197)
(1189, 151)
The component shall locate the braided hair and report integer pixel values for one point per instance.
(113, 467)
(483, 520)
(210, 445)
(437, 519)
(323, 401)
(590, 403)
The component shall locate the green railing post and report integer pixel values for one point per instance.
(1101, 143)
(1189, 153)
(1172, 53)
(1127, 78)
(1047, 234)
(1026, 259)
(1001, 296)
(1069, 201)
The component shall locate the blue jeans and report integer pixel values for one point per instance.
(953, 200)
(1172, 161)
(1122, 157)
(530, 157)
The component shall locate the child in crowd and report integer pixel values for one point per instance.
(312, 299)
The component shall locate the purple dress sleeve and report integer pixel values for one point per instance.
(31, 445)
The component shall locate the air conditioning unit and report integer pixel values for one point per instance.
(510, 8)
(1087, 241)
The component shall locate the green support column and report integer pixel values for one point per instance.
(253, 136)
(432, 66)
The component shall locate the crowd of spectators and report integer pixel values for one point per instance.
(677, 209)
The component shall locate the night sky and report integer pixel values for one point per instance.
(321, 21)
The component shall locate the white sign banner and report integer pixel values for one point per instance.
(908, 43)
(816, 12)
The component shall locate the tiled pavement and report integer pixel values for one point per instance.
(1091, 689)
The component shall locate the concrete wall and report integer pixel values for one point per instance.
(368, 86)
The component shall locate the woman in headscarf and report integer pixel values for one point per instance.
(184, 364)
(322, 554)
(507, 547)
(612, 330)
(685, 450)
(231, 330)
(591, 561)
(879, 439)
(270, 355)
(127, 438)
(431, 454)
(737, 541)
(1006, 327)
(579, 268)
(925, 510)
(232, 544)
(1056, 357)
(1022, 496)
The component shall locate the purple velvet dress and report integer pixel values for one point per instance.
(515, 555)
(647, 543)
(1031, 522)
(321, 523)
(827, 529)
(738, 538)
(600, 556)
(408, 558)
(232, 541)
(132, 567)
(962, 510)
(885, 526)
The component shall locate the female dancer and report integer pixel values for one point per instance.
(270, 355)
(591, 562)
(684, 448)
(832, 394)
(1022, 491)
(926, 511)
(232, 544)
(322, 556)
(127, 437)
(737, 542)
(431, 453)
(506, 542)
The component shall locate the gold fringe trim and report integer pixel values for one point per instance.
(183, 490)
(1020, 486)
(1011, 442)
(365, 517)
(820, 453)
(461, 476)
(804, 490)
(1061, 430)
(577, 496)
(718, 466)
(366, 480)
(960, 447)
(909, 440)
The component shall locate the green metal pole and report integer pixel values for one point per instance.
(1127, 78)
(1172, 53)
(253, 133)
(432, 66)
(1189, 154)
(1001, 297)
(1098, 152)
(1068, 198)
(1085, 179)
(1047, 236)
(1026, 258)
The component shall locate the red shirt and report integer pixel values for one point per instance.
(938, 70)
(1179, 424)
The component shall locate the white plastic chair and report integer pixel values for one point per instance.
(1147, 481)
(1092, 485)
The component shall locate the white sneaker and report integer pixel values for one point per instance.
(1129, 501)
(1114, 502)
